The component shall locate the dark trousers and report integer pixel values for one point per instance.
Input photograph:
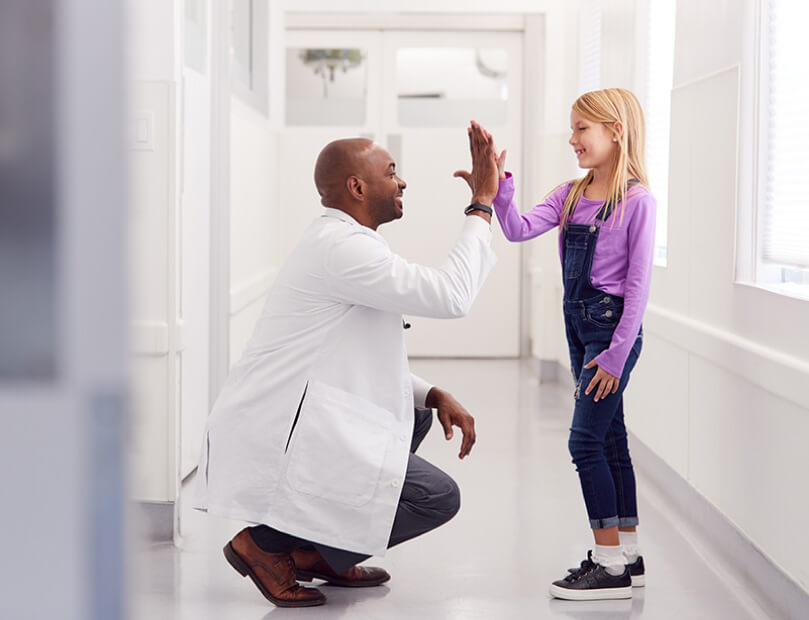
(429, 499)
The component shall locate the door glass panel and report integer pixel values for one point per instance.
(326, 86)
(439, 87)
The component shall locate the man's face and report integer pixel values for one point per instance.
(384, 187)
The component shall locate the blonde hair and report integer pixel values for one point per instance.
(610, 106)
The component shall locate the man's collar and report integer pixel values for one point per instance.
(345, 217)
(340, 215)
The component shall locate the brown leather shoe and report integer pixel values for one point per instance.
(273, 573)
(309, 564)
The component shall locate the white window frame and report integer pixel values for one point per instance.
(781, 279)
(644, 69)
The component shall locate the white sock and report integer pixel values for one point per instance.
(611, 558)
(629, 541)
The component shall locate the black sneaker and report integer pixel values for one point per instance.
(637, 569)
(638, 572)
(592, 582)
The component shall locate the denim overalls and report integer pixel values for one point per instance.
(597, 442)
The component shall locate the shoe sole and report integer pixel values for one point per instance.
(590, 595)
(638, 581)
(235, 560)
(303, 575)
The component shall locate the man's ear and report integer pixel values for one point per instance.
(356, 187)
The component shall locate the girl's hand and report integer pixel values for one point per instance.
(607, 384)
(501, 161)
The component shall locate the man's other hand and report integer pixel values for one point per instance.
(452, 413)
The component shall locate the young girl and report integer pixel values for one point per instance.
(606, 243)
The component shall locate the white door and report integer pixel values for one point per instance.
(418, 90)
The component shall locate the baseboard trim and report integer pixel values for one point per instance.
(155, 521)
(746, 568)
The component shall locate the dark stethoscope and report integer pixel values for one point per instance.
(405, 324)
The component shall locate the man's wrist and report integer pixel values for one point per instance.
(483, 200)
(433, 398)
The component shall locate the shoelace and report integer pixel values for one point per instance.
(587, 567)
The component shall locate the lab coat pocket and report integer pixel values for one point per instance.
(338, 445)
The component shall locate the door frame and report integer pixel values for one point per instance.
(532, 27)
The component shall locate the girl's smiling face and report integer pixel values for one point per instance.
(591, 141)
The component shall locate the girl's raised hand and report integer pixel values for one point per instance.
(607, 383)
(501, 163)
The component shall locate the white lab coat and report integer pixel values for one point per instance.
(311, 432)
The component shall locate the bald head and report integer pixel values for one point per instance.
(359, 177)
(337, 161)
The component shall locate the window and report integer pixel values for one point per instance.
(658, 83)
(326, 86)
(195, 35)
(437, 86)
(249, 23)
(782, 237)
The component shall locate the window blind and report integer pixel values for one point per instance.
(785, 209)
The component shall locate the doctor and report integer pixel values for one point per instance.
(312, 437)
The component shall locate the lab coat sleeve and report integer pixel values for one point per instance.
(420, 390)
(362, 270)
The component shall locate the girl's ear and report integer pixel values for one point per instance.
(618, 127)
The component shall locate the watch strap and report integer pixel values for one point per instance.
(476, 206)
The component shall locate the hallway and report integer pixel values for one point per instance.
(521, 524)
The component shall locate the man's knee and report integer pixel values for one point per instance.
(448, 502)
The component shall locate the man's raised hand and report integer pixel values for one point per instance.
(484, 178)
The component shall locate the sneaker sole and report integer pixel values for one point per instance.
(638, 581)
(590, 595)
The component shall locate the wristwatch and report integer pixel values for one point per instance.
(476, 206)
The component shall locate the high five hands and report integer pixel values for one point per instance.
(487, 166)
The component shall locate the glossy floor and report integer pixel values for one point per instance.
(521, 525)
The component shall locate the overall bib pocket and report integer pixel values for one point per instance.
(575, 251)
(338, 446)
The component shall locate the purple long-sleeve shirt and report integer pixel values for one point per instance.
(622, 263)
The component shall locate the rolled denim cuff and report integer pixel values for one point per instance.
(627, 521)
(600, 524)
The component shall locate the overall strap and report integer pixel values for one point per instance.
(605, 211)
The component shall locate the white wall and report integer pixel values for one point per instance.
(254, 212)
(155, 36)
(254, 208)
(718, 390)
